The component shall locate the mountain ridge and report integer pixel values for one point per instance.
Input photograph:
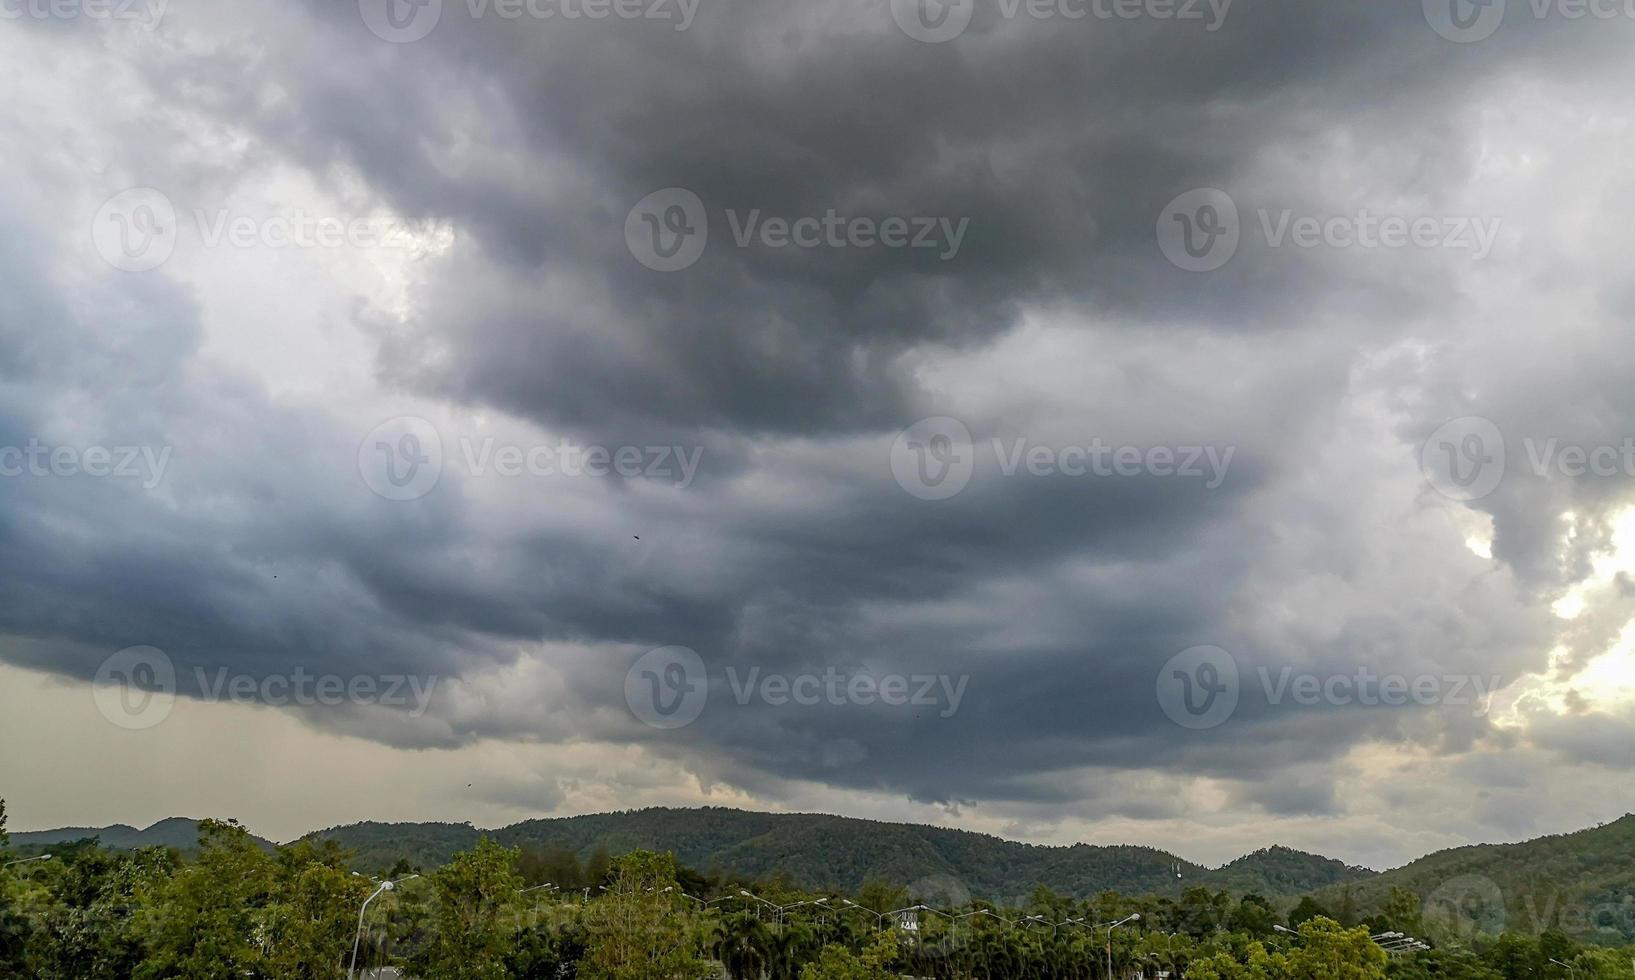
(811, 849)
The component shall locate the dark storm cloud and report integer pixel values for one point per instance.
(1057, 599)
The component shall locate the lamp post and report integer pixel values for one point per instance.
(385, 886)
(1133, 917)
(42, 857)
(671, 889)
(1041, 920)
(878, 917)
(1570, 971)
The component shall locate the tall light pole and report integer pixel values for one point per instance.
(1570, 971)
(673, 890)
(1133, 917)
(385, 886)
(879, 918)
(42, 857)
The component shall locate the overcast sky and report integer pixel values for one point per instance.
(865, 406)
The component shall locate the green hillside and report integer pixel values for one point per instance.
(841, 853)
(180, 833)
(1581, 883)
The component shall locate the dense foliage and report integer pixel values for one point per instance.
(841, 853)
(1582, 884)
(236, 909)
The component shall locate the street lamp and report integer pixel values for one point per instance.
(1570, 971)
(42, 857)
(385, 886)
(1041, 920)
(1132, 917)
(669, 889)
(878, 917)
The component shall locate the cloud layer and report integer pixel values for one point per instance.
(364, 229)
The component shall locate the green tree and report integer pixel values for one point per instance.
(476, 898)
(1329, 951)
(311, 918)
(14, 924)
(202, 923)
(1306, 911)
(840, 963)
(639, 929)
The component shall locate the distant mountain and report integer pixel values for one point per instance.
(178, 832)
(828, 852)
(1283, 871)
(1582, 883)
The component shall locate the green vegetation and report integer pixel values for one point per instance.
(1582, 884)
(236, 910)
(839, 853)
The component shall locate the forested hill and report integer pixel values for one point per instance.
(830, 852)
(1582, 883)
(180, 833)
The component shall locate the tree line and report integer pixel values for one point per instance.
(236, 909)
